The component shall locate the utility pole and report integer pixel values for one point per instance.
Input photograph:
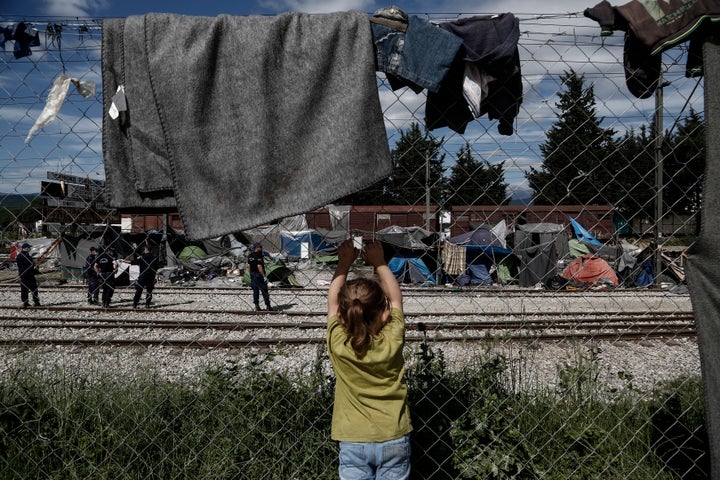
(659, 136)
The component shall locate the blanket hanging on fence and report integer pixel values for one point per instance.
(703, 274)
(237, 121)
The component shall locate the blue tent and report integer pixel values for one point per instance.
(408, 267)
(584, 235)
(483, 250)
(301, 243)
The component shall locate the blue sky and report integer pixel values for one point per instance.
(555, 37)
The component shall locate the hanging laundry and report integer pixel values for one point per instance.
(413, 54)
(56, 98)
(489, 59)
(238, 121)
(25, 36)
(652, 27)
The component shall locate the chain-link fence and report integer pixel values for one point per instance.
(550, 333)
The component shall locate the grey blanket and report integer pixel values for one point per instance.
(238, 121)
(703, 272)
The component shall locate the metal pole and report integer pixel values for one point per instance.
(658, 176)
(427, 192)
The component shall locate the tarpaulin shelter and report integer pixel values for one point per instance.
(539, 246)
(583, 235)
(276, 272)
(301, 244)
(590, 269)
(191, 252)
(482, 250)
(408, 267)
(410, 253)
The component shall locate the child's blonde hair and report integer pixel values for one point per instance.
(361, 309)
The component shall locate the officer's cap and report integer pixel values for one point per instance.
(25, 245)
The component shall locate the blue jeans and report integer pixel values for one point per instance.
(423, 55)
(375, 460)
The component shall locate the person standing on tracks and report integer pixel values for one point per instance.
(365, 340)
(148, 264)
(106, 266)
(91, 277)
(258, 276)
(27, 271)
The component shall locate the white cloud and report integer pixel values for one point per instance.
(73, 8)
(317, 6)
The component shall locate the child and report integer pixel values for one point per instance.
(365, 338)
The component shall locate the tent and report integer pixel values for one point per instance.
(409, 253)
(483, 251)
(301, 243)
(590, 269)
(583, 235)
(540, 246)
(408, 267)
(191, 252)
(415, 238)
(277, 272)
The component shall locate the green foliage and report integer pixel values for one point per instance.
(473, 182)
(248, 420)
(573, 169)
(684, 165)
(415, 155)
(21, 209)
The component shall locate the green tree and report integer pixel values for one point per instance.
(684, 166)
(572, 171)
(473, 182)
(414, 154)
(632, 190)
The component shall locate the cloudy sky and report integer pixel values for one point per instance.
(555, 37)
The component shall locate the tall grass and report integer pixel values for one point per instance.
(247, 420)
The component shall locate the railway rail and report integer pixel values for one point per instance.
(305, 328)
(217, 317)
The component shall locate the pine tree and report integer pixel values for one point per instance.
(573, 171)
(412, 155)
(474, 182)
(684, 166)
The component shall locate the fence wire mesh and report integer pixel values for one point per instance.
(523, 361)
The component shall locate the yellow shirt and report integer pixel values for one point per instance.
(370, 393)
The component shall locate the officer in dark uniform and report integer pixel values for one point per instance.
(258, 277)
(148, 264)
(26, 272)
(106, 266)
(91, 277)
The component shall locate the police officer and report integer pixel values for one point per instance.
(148, 264)
(106, 266)
(91, 277)
(258, 277)
(26, 272)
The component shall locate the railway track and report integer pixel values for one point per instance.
(220, 317)
(110, 328)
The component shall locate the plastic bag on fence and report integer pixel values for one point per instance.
(56, 98)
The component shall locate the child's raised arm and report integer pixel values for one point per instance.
(347, 254)
(374, 255)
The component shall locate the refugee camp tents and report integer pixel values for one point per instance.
(276, 272)
(409, 268)
(191, 252)
(301, 243)
(416, 238)
(590, 269)
(583, 235)
(483, 250)
(539, 246)
(410, 253)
